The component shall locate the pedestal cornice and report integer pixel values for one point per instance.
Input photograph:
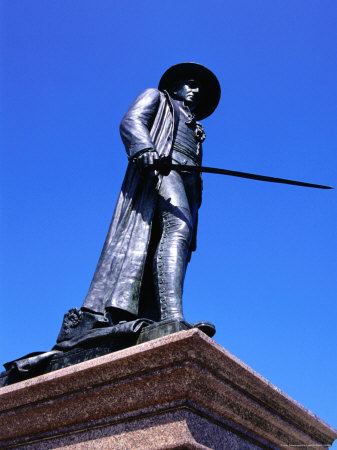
(185, 376)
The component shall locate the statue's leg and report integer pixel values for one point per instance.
(170, 263)
(170, 260)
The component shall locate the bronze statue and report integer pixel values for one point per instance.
(138, 282)
(153, 231)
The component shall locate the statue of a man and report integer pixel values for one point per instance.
(142, 266)
(140, 274)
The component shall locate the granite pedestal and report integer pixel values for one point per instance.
(181, 391)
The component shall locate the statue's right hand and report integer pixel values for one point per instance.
(146, 159)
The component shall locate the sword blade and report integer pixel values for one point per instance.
(233, 173)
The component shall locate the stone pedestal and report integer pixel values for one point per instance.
(181, 391)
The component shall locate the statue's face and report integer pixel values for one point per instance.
(188, 91)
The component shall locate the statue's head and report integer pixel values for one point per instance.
(196, 85)
(187, 91)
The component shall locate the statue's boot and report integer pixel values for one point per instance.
(116, 316)
(170, 261)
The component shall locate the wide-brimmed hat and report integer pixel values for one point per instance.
(210, 91)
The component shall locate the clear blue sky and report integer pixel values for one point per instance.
(265, 269)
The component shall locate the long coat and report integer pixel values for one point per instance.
(148, 124)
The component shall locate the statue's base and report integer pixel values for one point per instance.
(95, 348)
(181, 391)
(161, 329)
(100, 347)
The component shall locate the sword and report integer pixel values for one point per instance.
(164, 166)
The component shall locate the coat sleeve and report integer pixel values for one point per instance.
(137, 122)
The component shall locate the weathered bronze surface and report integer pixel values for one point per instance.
(138, 282)
(153, 231)
(136, 291)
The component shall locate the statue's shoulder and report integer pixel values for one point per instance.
(152, 94)
(147, 102)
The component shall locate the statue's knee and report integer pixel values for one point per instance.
(180, 230)
(178, 225)
(185, 231)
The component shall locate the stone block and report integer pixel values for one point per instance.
(181, 391)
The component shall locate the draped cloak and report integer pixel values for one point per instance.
(148, 124)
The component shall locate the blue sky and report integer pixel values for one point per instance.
(265, 269)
